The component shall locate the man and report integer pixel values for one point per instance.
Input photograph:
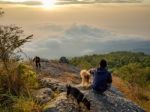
(37, 62)
(102, 78)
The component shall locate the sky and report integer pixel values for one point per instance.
(79, 27)
(34, 2)
(73, 0)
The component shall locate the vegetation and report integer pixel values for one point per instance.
(115, 60)
(135, 73)
(132, 68)
(11, 39)
(16, 79)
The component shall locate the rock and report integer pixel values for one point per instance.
(114, 90)
(111, 101)
(60, 104)
(43, 95)
(52, 71)
(53, 84)
(51, 110)
(58, 69)
(63, 60)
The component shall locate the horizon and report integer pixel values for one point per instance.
(76, 28)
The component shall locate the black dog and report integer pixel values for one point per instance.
(78, 96)
(75, 93)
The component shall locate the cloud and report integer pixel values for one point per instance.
(69, 2)
(32, 3)
(97, 1)
(50, 27)
(78, 40)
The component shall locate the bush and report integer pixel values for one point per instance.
(23, 104)
(135, 74)
(21, 80)
(115, 59)
(28, 76)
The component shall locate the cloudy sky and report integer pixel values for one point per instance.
(81, 1)
(79, 27)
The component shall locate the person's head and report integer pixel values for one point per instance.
(103, 63)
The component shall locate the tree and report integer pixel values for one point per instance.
(11, 39)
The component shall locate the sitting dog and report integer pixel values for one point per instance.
(85, 75)
(78, 96)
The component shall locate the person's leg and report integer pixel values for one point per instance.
(97, 91)
(36, 64)
(39, 65)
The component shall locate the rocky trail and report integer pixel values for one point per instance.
(53, 79)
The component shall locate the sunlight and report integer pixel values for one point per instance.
(48, 3)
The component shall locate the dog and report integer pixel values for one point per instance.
(86, 103)
(85, 76)
(79, 96)
(75, 93)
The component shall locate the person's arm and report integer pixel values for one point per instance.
(109, 78)
(92, 71)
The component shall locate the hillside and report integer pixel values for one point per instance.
(115, 59)
(133, 69)
(58, 75)
(26, 89)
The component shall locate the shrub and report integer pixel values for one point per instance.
(22, 79)
(23, 104)
(135, 74)
(28, 75)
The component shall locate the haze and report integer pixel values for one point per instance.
(77, 29)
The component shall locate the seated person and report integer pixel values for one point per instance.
(102, 79)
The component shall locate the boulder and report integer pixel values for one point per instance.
(60, 104)
(111, 101)
(53, 84)
(43, 95)
(63, 60)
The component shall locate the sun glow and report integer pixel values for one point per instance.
(48, 3)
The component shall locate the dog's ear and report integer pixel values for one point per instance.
(68, 86)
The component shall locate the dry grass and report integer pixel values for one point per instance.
(69, 78)
(26, 105)
(136, 94)
(15, 88)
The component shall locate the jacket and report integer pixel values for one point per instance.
(102, 80)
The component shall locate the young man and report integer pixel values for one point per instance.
(102, 78)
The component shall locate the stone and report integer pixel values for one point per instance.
(43, 95)
(111, 101)
(63, 60)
